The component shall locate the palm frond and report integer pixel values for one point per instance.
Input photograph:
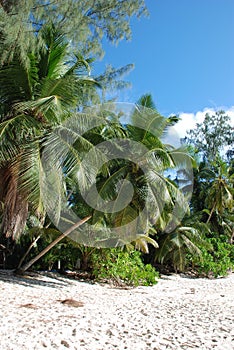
(18, 82)
(146, 101)
(13, 133)
(165, 248)
(31, 176)
(53, 53)
(142, 241)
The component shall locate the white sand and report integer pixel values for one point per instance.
(177, 313)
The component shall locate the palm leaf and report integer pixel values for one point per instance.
(142, 241)
(18, 82)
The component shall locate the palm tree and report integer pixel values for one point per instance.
(214, 197)
(126, 213)
(175, 246)
(34, 100)
(140, 158)
(220, 192)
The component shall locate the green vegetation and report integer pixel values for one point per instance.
(85, 23)
(122, 267)
(217, 260)
(48, 129)
(211, 136)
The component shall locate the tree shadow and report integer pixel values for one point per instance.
(35, 279)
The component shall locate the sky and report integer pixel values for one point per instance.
(183, 55)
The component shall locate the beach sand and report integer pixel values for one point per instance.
(54, 312)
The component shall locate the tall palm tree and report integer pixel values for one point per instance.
(220, 192)
(34, 100)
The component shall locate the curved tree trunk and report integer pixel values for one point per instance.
(51, 245)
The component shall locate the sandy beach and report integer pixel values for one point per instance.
(53, 312)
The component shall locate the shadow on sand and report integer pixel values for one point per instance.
(34, 279)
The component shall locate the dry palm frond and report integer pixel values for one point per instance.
(29, 306)
(72, 302)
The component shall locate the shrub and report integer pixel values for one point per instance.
(122, 266)
(217, 260)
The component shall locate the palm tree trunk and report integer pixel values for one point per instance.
(28, 251)
(15, 205)
(211, 212)
(231, 241)
(51, 245)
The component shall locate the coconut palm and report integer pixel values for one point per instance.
(175, 246)
(220, 192)
(34, 99)
(212, 215)
(141, 159)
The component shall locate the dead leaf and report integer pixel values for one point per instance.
(72, 302)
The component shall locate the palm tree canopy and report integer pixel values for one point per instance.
(34, 99)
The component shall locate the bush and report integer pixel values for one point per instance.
(218, 260)
(122, 266)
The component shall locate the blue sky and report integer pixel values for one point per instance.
(183, 55)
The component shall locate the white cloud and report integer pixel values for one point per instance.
(188, 121)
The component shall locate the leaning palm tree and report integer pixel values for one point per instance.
(34, 100)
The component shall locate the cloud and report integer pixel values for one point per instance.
(188, 121)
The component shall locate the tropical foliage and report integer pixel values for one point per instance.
(85, 23)
(121, 267)
(34, 100)
(212, 136)
(64, 148)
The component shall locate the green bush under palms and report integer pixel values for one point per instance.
(122, 267)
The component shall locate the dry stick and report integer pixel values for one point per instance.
(51, 245)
